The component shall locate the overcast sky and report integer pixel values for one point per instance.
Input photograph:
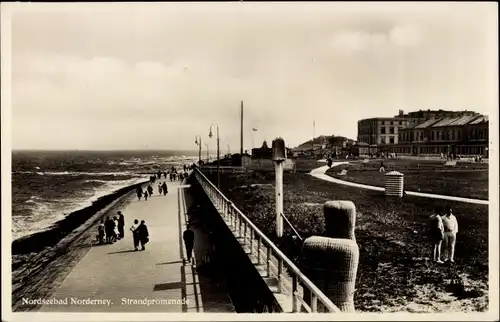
(122, 76)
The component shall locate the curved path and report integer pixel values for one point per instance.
(320, 174)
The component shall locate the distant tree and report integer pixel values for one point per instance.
(264, 145)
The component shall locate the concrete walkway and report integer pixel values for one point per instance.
(320, 174)
(123, 279)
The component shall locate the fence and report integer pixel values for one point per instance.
(224, 169)
(275, 261)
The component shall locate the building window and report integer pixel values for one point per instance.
(453, 135)
(442, 135)
(391, 140)
(432, 135)
(391, 130)
(392, 123)
(382, 130)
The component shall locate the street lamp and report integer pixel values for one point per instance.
(218, 155)
(208, 157)
(197, 141)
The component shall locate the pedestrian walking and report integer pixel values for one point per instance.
(109, 228)
(143, 234)
(436, 233)
(150, 190)
(121, 225)
(188, 237)
(145, 195)
(450, 225)
(164, 188)
(116, 232)
(133, 229)
(101, 233)
(139, 192)
(159, 188)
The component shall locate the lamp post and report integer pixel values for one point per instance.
(218, 155)
(208, 158)
(197, 141)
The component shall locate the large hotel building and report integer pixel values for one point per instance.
(425, 133)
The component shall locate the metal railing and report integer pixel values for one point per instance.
(291, 227)
(224, 169)
(274, 259)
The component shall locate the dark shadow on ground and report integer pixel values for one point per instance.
(168, 263)
(123, 251)
(212, 284)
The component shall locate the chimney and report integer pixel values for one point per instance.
(401, 113)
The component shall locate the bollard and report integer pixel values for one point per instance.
(331, 264)
(340, 219)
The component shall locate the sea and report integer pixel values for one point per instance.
(49, 185)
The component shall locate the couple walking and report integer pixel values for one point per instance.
(140, 234)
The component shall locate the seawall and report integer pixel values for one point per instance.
(38, 241)
(31, 254)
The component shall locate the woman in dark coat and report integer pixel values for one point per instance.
(143, 234)
(109, 226)
(164, 188)
(121, 224)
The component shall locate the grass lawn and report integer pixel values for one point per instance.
(394, 272)
(464, 180)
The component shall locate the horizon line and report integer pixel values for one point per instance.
(102, 150)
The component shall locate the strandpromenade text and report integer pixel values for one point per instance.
(105, 302)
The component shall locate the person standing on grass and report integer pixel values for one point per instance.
(188, 237)
(450, 225)
(436, 233)
(382, 167)
(133, 229)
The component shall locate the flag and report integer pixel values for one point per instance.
(254, 129)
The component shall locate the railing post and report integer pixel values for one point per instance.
(244, 233)
(251, 241)
(239, 226)
(258, 250)
(295, 293)
(233, 216)
(314, 302)
(268, 259)
(280, 275)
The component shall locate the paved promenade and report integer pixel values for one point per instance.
(120, 277)
(320, 174)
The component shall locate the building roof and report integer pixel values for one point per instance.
(425, 124)
(481, 119)
(446, 121)
(462, 120)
